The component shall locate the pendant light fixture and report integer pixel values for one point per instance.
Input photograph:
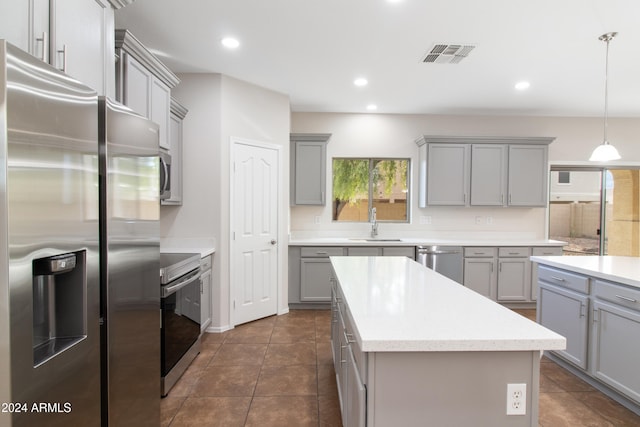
(605, 151)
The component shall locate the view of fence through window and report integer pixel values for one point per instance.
(577, 216)
(361, 184)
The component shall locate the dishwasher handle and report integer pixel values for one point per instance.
(437, 252)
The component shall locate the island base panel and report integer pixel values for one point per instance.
(450, 388)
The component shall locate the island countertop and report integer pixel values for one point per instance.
(399, 305)
(619, 269)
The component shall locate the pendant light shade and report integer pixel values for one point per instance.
(605, 151)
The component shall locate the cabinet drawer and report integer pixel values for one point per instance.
(547, 251)
(514, 252)
(564, 278)
(205, 263)
(364, 251)
(320, 251)
(618, 294)
(479, 252)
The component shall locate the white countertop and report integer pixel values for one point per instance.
(399, 305)
(619, 269)
(203, 246)
(418, 241)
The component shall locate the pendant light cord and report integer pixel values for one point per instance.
(606, 88)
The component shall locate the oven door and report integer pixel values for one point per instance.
(180, 318)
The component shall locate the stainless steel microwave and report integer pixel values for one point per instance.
(165, 175)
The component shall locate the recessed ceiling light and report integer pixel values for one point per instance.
(522, 85)
(372, 107)
(230, 42)
(360, 81)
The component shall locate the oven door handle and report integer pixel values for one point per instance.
(168, 290)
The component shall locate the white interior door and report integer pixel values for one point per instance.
(254, 218)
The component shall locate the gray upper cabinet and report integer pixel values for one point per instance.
(309, 169)
(488, 174)
(75, 36)
(482, 171)
(528, 175)
(447, 174)
(144, 83)
(178, 113)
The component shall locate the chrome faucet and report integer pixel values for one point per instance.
(374, 222)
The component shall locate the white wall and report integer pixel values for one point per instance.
(387, 135)
(221, 107)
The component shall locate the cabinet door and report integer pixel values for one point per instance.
(160, 110)
(136, 86)
(488, 174)
(205, 300)
(409, 252)
(356, 402)
(25, 24)
(514, 277)
(565, 312)
(448, 174)
(79, 40)
(480, 276)
(315, 279)
(310, 171)
(175, 144)
(528, 175)
(616, 348)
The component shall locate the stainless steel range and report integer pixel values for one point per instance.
(180, 303)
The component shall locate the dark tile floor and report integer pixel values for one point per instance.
(278, 371)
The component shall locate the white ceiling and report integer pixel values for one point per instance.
(313, 50)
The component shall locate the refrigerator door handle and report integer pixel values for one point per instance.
(168, 290)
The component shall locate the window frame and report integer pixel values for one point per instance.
(370, 189)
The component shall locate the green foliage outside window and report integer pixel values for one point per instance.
(360, 184)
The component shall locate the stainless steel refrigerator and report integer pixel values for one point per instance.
(79, 253)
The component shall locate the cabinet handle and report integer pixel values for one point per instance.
(464, 198)
(322, 253)
(500, 267)
(514, 253)
(502, 199)
(64, 58)
(582, 312)
(509, 198)
(595, 315)
(322, 196)
(45, 43)
(626, 298)
(349, 338)
(559, 279)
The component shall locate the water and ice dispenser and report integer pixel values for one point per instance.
(59, 304)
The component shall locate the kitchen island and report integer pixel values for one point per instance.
(412, 347)
(594, 301)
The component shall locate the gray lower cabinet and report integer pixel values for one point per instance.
(514, 274)
(541, 251)
(615, 335)
(349, 364)
(601, 322)
(206, 280)
(310, 271)
(315, 279)
(310, 274)
(480, 271)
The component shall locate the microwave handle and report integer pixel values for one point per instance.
(164, 176)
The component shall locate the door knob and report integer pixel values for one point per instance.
(273, 241)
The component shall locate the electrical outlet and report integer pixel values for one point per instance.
(479, 220)
(516, 399)
(489, 220)
(316, 219)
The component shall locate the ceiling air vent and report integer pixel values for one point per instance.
(448, 53)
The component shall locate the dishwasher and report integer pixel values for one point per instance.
(446, 260)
